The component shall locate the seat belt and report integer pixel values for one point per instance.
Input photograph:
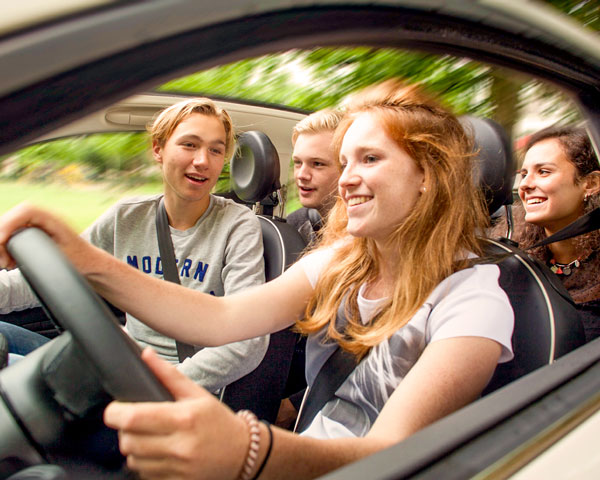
(341, 363)
(331, 376)
(169, 266)
(584, 224)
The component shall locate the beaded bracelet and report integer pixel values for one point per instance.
(250, 461)
(264, 462)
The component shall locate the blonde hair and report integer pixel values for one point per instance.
(432, 242)
(167, 120)
(325, 120)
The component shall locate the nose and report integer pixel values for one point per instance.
(526, 183)
(303, 172)
(349, 177)
(201, 158)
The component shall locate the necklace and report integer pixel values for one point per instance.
(564, 268)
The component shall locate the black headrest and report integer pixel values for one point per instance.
(496, 168)
(254, 167)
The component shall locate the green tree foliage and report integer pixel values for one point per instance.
(323, 77)
(97, 155)
(587, 12)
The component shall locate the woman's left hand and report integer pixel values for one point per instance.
(194, 437)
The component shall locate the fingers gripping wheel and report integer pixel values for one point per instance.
(254, 167)
(71, 301)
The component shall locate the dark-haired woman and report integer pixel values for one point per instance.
(560, 181)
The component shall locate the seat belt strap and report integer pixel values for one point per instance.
(331, 376)
(585, 224)
(169, 266)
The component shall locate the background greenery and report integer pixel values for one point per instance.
(79, 204)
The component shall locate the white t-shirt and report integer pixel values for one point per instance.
(468, 303)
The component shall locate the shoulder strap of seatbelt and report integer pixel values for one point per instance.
(169, 266)
(331, 376)
(585, 224)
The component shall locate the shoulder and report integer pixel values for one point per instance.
(298, 217)
(471, 302)
(140, 203)
(230, 215)
(479, 277)
(479, 284)
(315, 262)
(125, 209)
(229, 207)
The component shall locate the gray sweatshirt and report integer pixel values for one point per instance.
(219, 255)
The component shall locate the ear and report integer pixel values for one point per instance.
(592, 183)
(157, 152)
(423, 187)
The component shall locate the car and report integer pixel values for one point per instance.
(64, 63)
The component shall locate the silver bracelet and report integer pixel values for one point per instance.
(250, 462)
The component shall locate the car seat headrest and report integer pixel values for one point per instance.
(254, 167)
(495, 170)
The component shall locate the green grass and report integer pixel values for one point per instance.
(80, 205)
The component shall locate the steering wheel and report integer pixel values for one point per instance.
(51, 402)
(69, 299)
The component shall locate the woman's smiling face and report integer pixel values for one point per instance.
(380, 183)
(550, 194)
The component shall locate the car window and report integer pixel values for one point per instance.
(97, 169)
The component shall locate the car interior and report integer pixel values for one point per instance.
(545, 326)
(46, 421)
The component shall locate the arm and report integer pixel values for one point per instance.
(449, 374)
(173, 310)
(243, 267)
(15, 293)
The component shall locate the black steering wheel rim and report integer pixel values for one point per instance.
(71, 301)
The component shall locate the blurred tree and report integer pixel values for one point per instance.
(98, 155)
(585, 11)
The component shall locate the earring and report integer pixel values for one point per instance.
(586, 197)
(423, 189)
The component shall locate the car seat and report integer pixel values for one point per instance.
(547, 324)
(255, 178)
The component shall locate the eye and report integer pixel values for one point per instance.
(543, 171)
(188, 145)
(370, 159)
(217, 151)
(318, 164)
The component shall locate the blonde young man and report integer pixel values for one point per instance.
(316, 171)
(217, 243)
